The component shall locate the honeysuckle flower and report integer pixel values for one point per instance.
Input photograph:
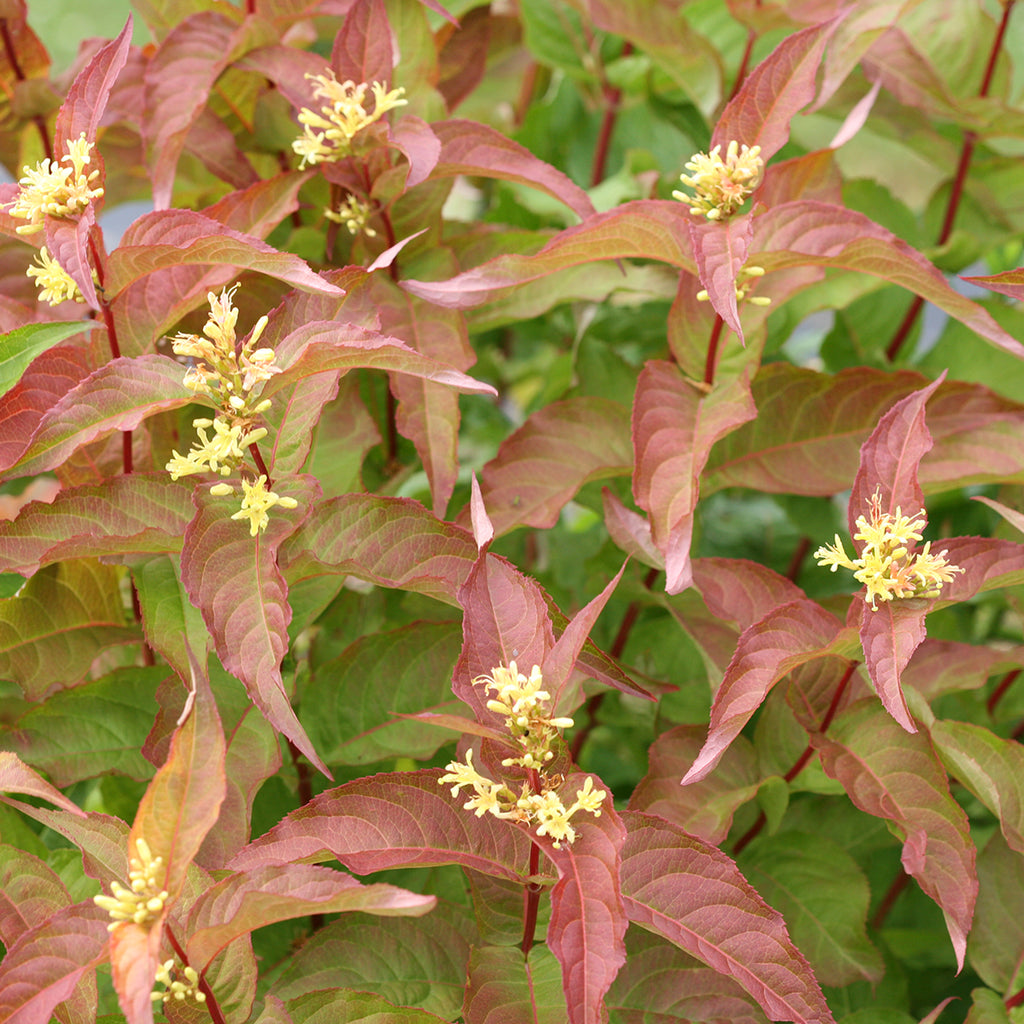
(50, 190)
(144, 898)
(721, 186)
(55, 284)
(523, 702)
(257, 502)
(353, 213)
(179, 984)
(327, 136)
(887, 567)
(221, 453)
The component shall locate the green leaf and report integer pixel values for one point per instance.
(19, 347)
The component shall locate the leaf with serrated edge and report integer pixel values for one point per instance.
(896, 775)
(396, 820)
(17, 777)
(674, 427)
(44, 967)
(170, 238)
(138, 512)
(19, 347)
(550, 457)
(990, 767)
(234, 580)
(248, 900)
(692, 894)
(503, 985)
(786, 637)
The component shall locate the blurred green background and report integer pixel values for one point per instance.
(63, 24)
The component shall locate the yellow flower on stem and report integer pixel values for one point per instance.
(55, 284)
(721, 186)
(144, 899)
(51, 190)
(257, 502)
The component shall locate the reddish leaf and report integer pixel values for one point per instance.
(776, 90)
(721, 250)
(86, 102)
(890, 457)
(691, 893)
(740, 590)
(134, 958)
(138, 512)
(945, 666)
(393, 542)
(896, 775)
(363, 49)
(704, 809)
(248, 900)
(588, 921)
(559, 448)
(172, 238)
(30, 892)
(183, 799)
(988, 564)
(806, 231)
(416, 140)
(788, 636)
(468, 147)
(889, 636)
(1012, 516)
(117, 396)
(648, 228)
(675, 425)
(502, 984)
(234, 580)
(47, 964)
(389, 821)
(17, 777)
(630, 531)
(68, 243)
(178, 80)
(1010, 282)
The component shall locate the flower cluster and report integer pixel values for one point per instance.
(144, 898)
(226, 372)
(55, 284)
(744, 280)
(55, 191)
(721, 186)
(178, 988)
(527, 717)
(327, 136)
(353, 213)
(886, 566)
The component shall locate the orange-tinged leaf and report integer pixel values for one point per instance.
(17, 777)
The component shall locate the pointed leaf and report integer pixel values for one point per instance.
(468, 147)
(19, 347)
(588, 921)
(234, 580)
(392, 542)
(889, 636)
(691, 893)
(559, 448)
(997, 936)
(396, 820)
(674, 427)
(117, 396)
(45, 966)
(777, 89)
(502, 984)
(128, 513)
(68, 243)
(991, 768)
(171, 238)
(248, 900)
(30, 892)
(17, 777)
(741, 590)
(896, 775)
(786, 637)
(987, 563)
(720, 249)
(134, 958)
(362, 49)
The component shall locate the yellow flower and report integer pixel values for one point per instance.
(179, 984)
(886, 566)
(51, 190)
(327, 136)
(55, 284)
(143, 901)
(353, 213)
(257, 502)
(721, 186)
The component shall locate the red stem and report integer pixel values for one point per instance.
(899, 883)
(744, 63)
(12, 58)
(799, 554)
(957, 191)
(612, 98)
(204, 985)
(1015, 1000)
(531, 901)
(257, 457)
(997, 694)
(712, 358)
